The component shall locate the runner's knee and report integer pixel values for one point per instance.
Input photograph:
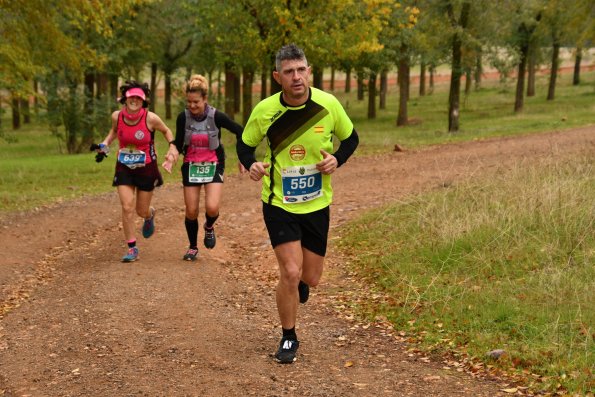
(290, 276)
(312, 281)
(192, 213)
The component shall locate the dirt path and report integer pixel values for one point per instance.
(74, 321)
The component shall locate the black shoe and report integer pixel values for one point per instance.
(190, 255)
(210, 239)
(287, 351)
(304, 291)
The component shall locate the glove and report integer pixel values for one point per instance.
(102, 151)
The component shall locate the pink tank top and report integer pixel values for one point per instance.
(137, 136)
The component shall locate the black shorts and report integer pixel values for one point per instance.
(311, 229)
(144, 178)
(218, 178)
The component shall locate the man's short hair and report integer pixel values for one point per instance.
(288, 53)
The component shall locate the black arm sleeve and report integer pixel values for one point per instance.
(245, 154)
(180, 131)
(222, 120)
(346, 148)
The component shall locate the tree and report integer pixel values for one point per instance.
(459, 21)
(528, 18)
(557, 18)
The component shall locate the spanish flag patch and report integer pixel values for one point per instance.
(319, 129)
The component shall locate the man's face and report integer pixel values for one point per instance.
(294, 80)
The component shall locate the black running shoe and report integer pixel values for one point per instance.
(190, 255)
(210, 239)
(304, 291)
(287, 351)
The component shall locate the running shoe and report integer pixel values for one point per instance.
(286, 354)
(191, 254)
(304, 291)
(149, 225)
(210, 239)
(131, 255)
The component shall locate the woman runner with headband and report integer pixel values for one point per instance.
(136, 166)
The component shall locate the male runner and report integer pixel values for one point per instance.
(299, 124)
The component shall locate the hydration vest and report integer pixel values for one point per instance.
(206, 126)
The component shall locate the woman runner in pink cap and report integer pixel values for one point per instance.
(136, 166)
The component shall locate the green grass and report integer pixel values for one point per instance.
(506, 262)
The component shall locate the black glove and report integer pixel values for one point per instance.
(101, 154)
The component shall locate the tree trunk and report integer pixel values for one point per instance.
(422, 78)
(383, 88)
(36, 96)
(263, 84)
(113, 84)
(218, 95)
(576, 76)
(153, 96)
(554, 70)
(348, 80)
(478, 71)
(467, 81)
(16, 114)
(432, 71)
(360, 85)
(237, 93)
(102, 85)
(455, 76)
(167, 98)
(520, 84)
(531, 70)
(26, 111)
(408, 79)
(53, 102)
(248, 78)
(372, 96)
(332, 87)
(317, 77)
(229, 90)
(402, 81)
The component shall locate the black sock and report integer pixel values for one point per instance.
(211, 220)
(289, 334)
(132, 244)
(192, 231)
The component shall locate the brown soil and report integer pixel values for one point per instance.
(74, 321)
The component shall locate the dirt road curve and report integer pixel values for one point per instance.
(77, 322)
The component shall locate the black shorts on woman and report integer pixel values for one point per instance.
(145, 178)
(311, 228)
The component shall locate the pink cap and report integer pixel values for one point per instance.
(136, 92)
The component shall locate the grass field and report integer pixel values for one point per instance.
(502, 263)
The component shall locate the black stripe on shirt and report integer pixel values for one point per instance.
(294, 123)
